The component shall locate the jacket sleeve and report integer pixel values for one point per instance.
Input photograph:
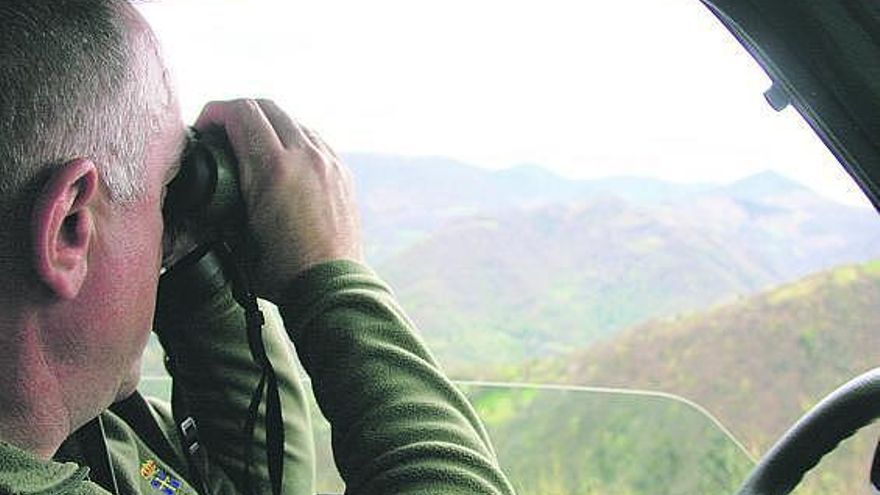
(399, 426)
(202, 329)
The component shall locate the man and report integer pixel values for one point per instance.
(90, 135)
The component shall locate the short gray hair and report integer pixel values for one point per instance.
(72, 84)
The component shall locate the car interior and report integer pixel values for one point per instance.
(670, 380)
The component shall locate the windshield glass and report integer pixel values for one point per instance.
(559, 440)
(582, 195)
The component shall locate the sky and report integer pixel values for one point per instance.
(654, 88)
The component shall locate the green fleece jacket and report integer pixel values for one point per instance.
(398, 425)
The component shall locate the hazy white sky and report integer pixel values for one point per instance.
(585, 88)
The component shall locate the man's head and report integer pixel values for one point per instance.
(73, 82)
(89, 134)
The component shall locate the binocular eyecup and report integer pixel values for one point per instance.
(205, 193)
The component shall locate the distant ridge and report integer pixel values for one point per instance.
(763, 185)
(433, 178)
(528, 263)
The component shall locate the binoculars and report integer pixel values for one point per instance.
(205, 193)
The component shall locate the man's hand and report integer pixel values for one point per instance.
(298, 195)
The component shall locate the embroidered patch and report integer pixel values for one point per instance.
(160, 479)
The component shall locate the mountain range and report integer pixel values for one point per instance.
(497, 267)
(403, 199)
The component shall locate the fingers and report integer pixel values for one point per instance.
(289, 131)
(316, 138)
(249, 130)
(253, 125)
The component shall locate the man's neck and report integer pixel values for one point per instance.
(33, 416)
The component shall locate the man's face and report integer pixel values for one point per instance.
(140, 229)
(134, 244)
(119, 296)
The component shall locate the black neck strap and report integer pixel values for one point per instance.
(87, 447)
(875, 470)
(194, 279)
(268, 384)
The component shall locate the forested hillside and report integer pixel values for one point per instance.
(757, 364)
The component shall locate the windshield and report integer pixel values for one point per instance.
(580, 196)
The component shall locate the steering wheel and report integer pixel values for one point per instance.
(837, 417)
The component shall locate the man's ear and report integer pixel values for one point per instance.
(62, 227)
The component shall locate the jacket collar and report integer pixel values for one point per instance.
(23, 473)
